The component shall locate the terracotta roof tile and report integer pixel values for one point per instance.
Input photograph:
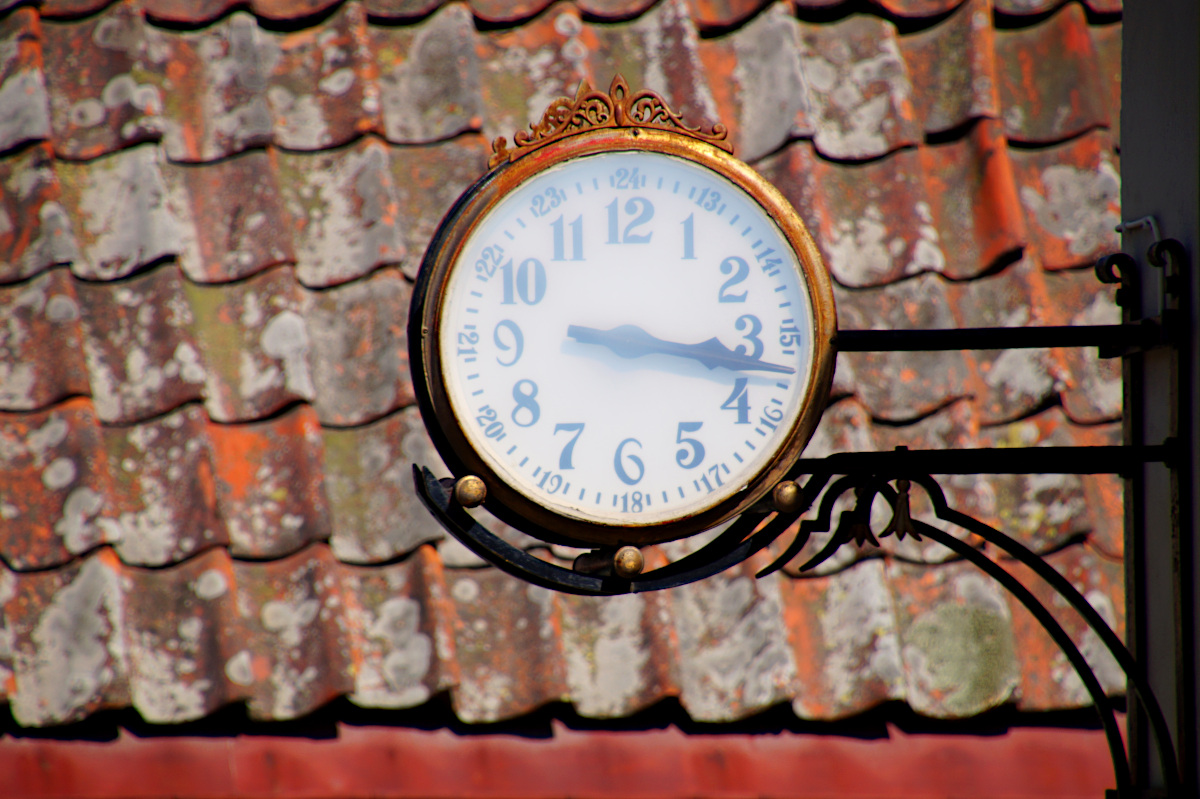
(1093, 393)
(405, 10)
(345, 209)
(123, 221)
(141, 358)
(41, 351)
(368, 479)
(269, 483)
(71, 8)
(614, 9)
(360, 349)
(1051, 86)
(860, 88)
(429, 85)
(903, 8)
(35, 228)
(22, 84)
(189, 12)
(102, 93)
(1107, 41)
(1035, 7)
(507, 11)
(953, 69)
(255, 345)
(723, 13)
(234, 223)
(1070, 194)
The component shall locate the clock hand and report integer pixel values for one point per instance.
(630, 341)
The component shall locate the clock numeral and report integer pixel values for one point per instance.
(523, 394)
(708, 200)
(693, 452)
(689, 238)
(628, 236)
(550, 482)
(547, 201)
(530, 282)
(634, 460)
(517, 344)
(771, 417)
(789, 335)
(741, 270)
(564, 459)
(739, 400)
(560, 245)
(626, 179)
(633, 502)
(489, 259)
(750, 321)
(491, 427)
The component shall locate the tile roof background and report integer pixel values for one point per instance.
(210, 217)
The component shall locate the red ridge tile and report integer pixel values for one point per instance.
(255, 343)
(269, 483)
(140, 355)
(1071, 196)
(345, 209)
(35, 228)
(429, 83)
(22, 82)
(102, 91)
(859, 87)
(375, 514)
(360, 348)
(119, 203)
(41, 350)
(1051, 86)
(233, 211)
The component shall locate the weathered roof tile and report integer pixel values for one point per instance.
(1071, 197)
(41, 351)
(255, 344)
(102, 94)
(360, 348)
(22, 84)
(1051, 86)
(141, 358)
(860, 88)
(269, 483)
(345, 209)
(507, 11)
(35, 228)
(188, 12)
(428, 77)
(119, 204)
(953, 68)
(1093, 392)
(369, 481)
(234, 223)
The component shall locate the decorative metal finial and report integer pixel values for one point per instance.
(592, 110)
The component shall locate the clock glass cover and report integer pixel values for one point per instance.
(628, 339)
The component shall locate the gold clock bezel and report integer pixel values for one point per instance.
(508, 502)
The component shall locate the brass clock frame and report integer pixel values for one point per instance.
(565, 134)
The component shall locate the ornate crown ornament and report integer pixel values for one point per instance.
(590, 110)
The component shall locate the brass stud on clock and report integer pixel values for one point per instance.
(470, 491)
(628, 562)
(787, 496)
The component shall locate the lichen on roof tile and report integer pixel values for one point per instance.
(234, 220)
(953, 68)
(428, 83)
(322, 90)
(359, 349)
(215, 89)
(1093, 389)
(255, 345)
(1071, 196)
(758, 83)
(859, 87)
(58, 501)
(122, 218)
(22, 83)
(345, 209)
(375, 515)
(41, 350)
(35, 227)
(1051, 86)
(104, 93)
(269, 484)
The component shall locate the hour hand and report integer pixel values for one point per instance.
(630, 341)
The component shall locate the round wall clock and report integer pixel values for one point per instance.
(622, 330)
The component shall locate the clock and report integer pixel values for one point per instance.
(622, 330)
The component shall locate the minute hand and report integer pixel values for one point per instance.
(630, 341)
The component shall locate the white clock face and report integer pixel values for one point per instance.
(627, 338)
